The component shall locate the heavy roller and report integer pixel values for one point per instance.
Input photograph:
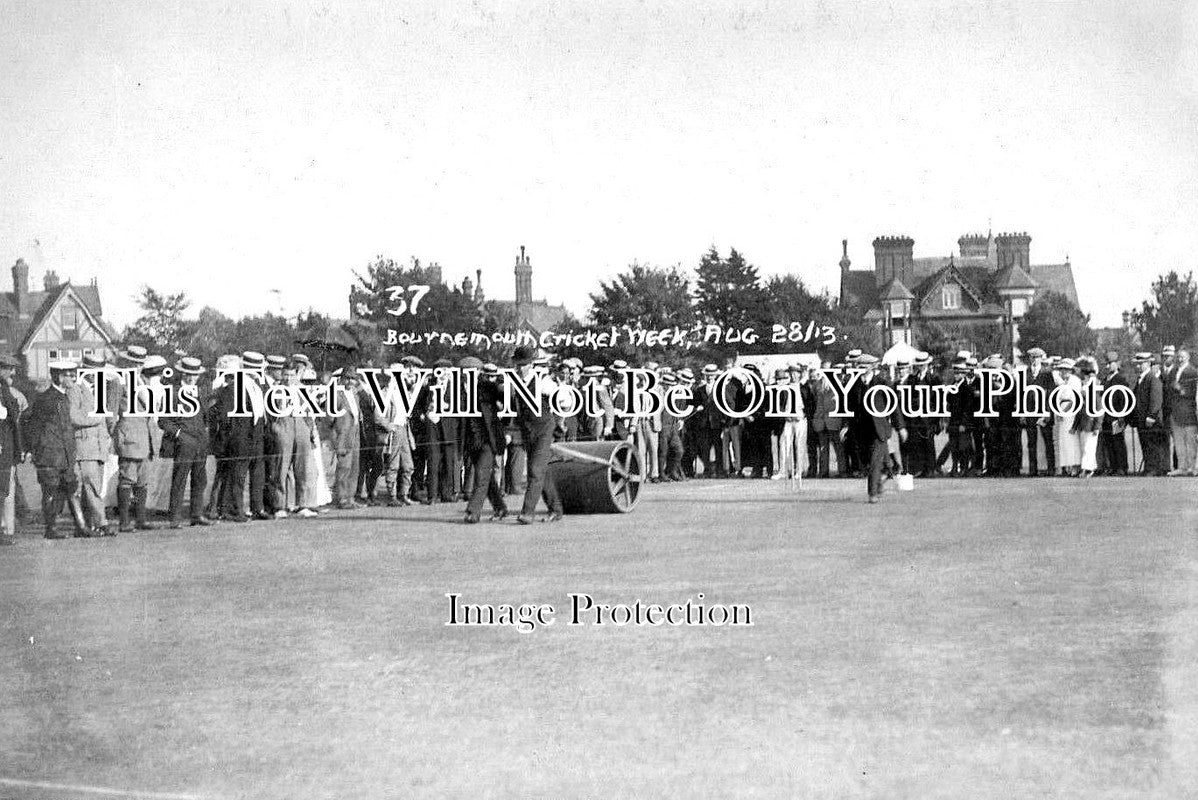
(597, 477)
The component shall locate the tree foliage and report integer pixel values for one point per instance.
(648, 297)
(443, 309)
(1168, 315)
(161, 328)
(1054, 324)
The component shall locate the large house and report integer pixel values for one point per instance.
(991, 280)
(64, 321)
(535, 315)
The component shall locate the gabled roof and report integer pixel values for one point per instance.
(895, 290)
(959, 275)
(1013, 277)
(537, 315)
(50, 301)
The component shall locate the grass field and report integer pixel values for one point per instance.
(972, 639)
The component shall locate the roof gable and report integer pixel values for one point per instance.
(53, 299)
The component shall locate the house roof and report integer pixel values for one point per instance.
(538, 315)
(895, 290)
(1013, 277)
(858, 287)
(45, 303)
(1055, 278)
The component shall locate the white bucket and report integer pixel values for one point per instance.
(905, 482)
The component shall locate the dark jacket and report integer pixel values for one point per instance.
(1148, 402)
(190, 433)
(867, 427)
(11, 440)
(487, 429)
(51, 434)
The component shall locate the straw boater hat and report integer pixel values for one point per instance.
(411, 361)
(470, 362)
(309, 376)
(442, 362)
(189, 365)
(593, 371)
(134, 353)
(491, 370)
(252, 359)
(94, 361)
(300, 358)
(1065, 363)
(1036, 352)
(922, 359)
(686, 375)
(619, 364)
(275, 362)
(669, 379)
(1168, 350)
(63, 365)
(542, 358)
(710, 369)
(153, 364)
(1142, 357)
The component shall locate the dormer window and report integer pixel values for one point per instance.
(950, 296)
(70, 323)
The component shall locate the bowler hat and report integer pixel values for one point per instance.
(523, 355)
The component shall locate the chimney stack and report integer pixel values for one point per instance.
(50, 281)
(844, 260)
(20, 287)
(523, 278)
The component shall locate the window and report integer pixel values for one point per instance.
(70, 323)
(54, 355)
(950, 296)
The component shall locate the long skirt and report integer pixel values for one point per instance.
(1069, 449)
(1087, 443)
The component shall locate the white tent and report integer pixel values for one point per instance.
(900, 352)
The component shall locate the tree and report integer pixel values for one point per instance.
(788, 301)
(161, 328)
(1168, 316)
(1054, 324)
(648, 297)
(442, 310)
(728, 291)
(942, 340)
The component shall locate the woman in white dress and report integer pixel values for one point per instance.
(1069, 456)
(316, 481)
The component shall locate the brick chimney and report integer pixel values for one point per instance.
(20, 287)
(523, 278)
(50, 281)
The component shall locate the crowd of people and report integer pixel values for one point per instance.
(273, 463)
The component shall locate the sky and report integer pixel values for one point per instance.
(254, 154)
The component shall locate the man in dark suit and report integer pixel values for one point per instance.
(1167, 372)
(1039, 375)
(185, 439)
(1146, 417)
(485, 438)
(1183, 416)
(1112, 448)
(871, 432)
(52, 443)
(537, 433)
(12, 447)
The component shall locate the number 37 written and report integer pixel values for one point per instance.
(396, 296)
